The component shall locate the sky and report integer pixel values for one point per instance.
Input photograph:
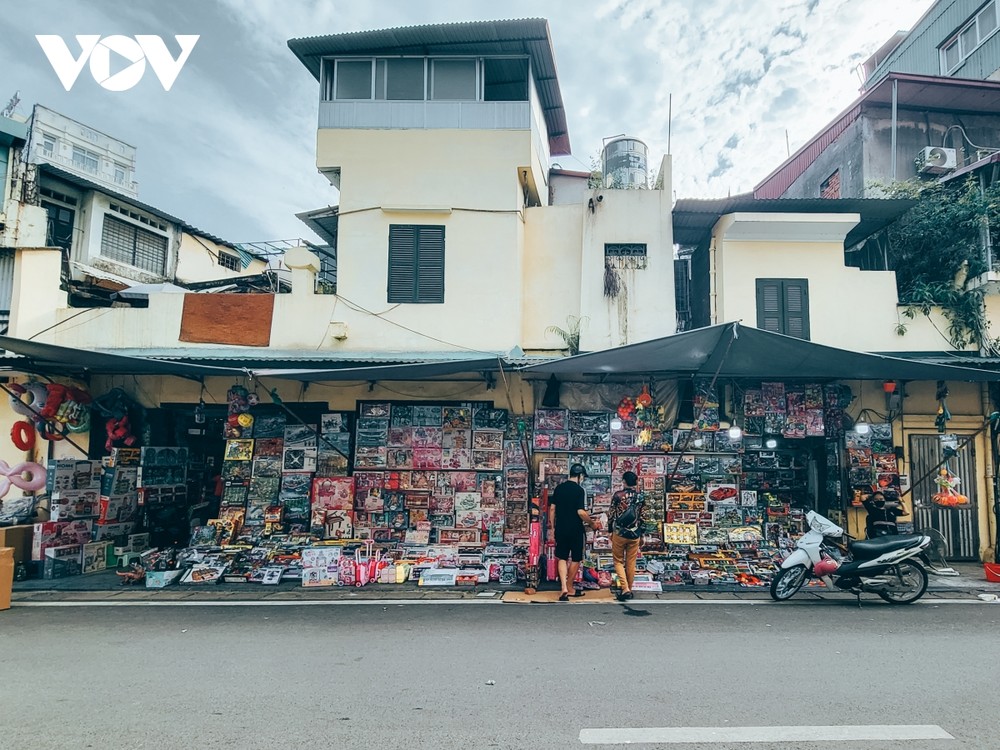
(230, 148)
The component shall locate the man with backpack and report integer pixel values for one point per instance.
(626, 519)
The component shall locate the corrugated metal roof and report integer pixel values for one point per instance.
(86, 184)
(527, 36)
(940, 93)
(693, 219)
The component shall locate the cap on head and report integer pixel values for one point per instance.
(578, 470)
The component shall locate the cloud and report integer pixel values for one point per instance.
(231, 148)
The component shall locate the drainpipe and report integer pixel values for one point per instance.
(991, 530)
(713, 312)
(892, 169)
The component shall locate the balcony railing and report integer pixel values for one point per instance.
(425, 114)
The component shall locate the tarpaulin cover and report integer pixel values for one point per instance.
(738, 351)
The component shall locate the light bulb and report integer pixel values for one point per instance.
(735, 433)
(771, 443)
(862, 428)
(616, 423)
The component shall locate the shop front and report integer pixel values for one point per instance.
(438, 474)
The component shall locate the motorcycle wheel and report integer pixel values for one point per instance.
(914, 583)
(787, 582)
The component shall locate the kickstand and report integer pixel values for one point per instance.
(858, 594)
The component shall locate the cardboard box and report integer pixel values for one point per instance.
(95, 556)
(138, 542)
(119, 480)
(64, 561)
(6, 576)
(18, 538)
(123, 457)
(69, 505)
(118, 508)
(58, 533)
(111, 531)
(63, 474)
(158, 579)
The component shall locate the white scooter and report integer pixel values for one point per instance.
(887, 566)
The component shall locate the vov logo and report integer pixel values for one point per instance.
(137, 51)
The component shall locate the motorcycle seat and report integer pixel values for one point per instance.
(869, 549)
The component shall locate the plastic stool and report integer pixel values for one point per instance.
(125, 559)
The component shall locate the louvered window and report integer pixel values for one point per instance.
(133, 245)
(783, 306)
(416, 264)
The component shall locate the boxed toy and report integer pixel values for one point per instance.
(123, 457)
(68, 474)
(95, 556)
(119, 480)
(69, 505)
(111, 530)
(138, 542)
(58, 533)
(118, 508)
(63, 561)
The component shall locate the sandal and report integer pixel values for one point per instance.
(564, 597)
(579, 592)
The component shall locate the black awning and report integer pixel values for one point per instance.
(414, 371)
(42, 358)
(742, 352)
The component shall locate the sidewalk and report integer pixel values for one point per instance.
(105, 587)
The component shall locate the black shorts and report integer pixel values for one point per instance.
(570, 546)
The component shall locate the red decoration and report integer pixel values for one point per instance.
(22, 434)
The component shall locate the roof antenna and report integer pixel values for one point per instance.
(12, 104)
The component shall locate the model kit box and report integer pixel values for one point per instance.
(64, 561)
(118, 508)
(123, 457)
(138, 542)
(69, 505)
(58, 533)
(65, 474)
(108, 530)
(95, 556)
(119, 480)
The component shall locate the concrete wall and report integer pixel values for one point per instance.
(197, 260)
(863, 152)
(848, 308)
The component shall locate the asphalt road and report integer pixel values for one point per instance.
(490, 675)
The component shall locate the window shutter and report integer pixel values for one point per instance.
(797, 308)
(769, 305)
(402, 263)
(430, 269)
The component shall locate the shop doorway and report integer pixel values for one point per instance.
(959, 526)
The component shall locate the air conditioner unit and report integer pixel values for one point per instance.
(936, 160)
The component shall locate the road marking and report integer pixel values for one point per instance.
(713, 735)
(399, 602)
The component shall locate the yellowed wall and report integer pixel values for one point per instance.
(551, 290)
(453, 168)
(848, 308)
(197, 260)
(37, 300)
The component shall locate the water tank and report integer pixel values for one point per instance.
(624, 163)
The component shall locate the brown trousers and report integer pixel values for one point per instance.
(625, 552)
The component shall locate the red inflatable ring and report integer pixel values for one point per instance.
(22, 434)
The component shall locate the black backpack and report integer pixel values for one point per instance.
(629, 524)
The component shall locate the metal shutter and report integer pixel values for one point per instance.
(416, 264)
(796, 298)
(769, 312)
(783, 306)
(430, 265)
(402, 263)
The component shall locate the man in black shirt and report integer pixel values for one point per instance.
(882, 515)
(568, 518)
